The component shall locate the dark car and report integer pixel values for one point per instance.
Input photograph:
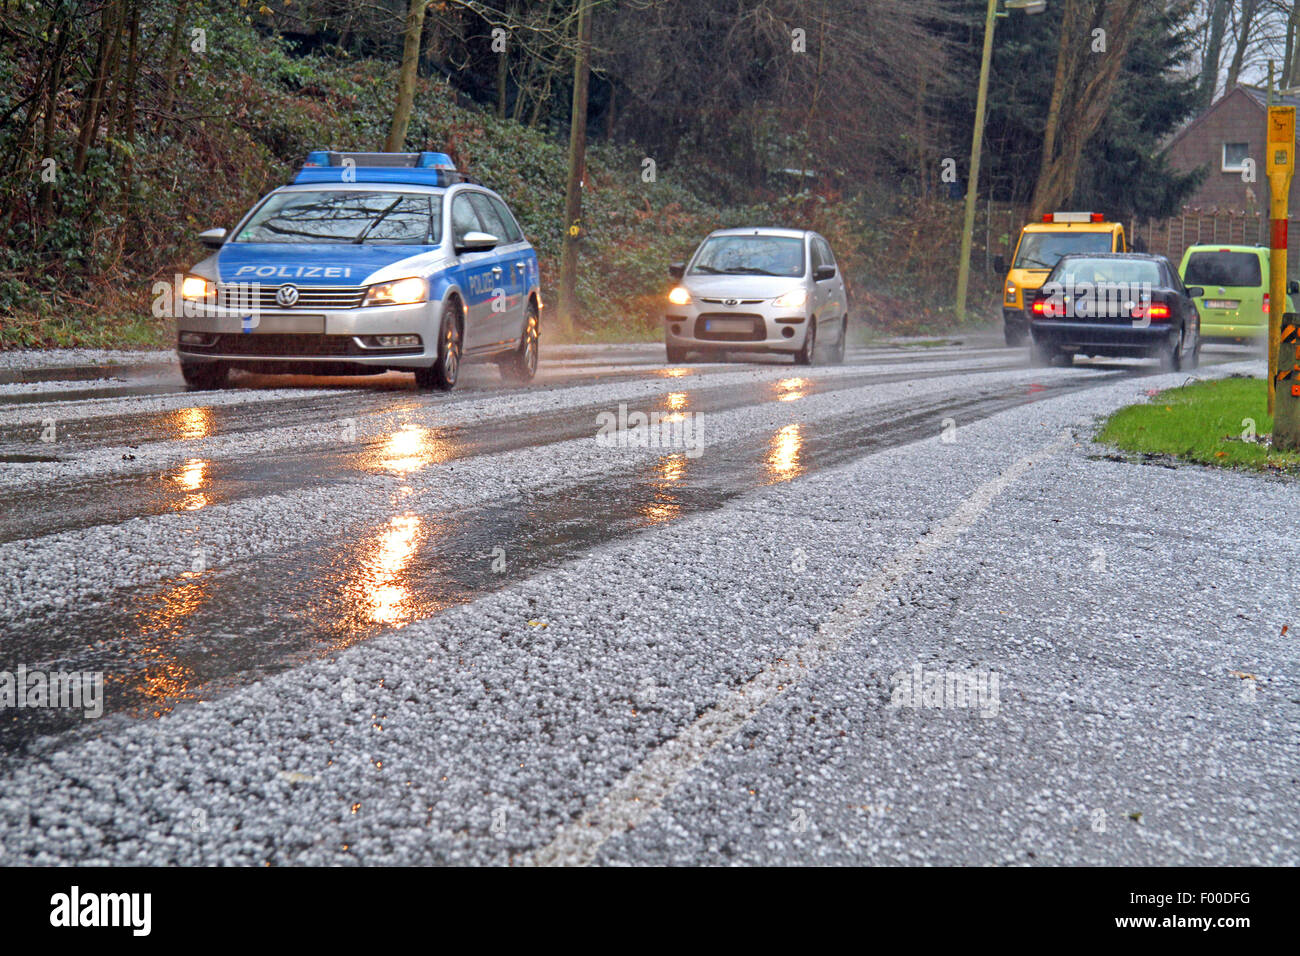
(1121, 304)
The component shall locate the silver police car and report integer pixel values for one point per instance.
(758, 290)
(367, 262)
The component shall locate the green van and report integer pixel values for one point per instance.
(1235, 279)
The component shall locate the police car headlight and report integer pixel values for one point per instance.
(197, 287)
(679, 296)
(794, 299)
(401, 292)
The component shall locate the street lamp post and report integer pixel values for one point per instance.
(977, 141)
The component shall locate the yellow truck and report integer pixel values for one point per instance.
(1039, 247)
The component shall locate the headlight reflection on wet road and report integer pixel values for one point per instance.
(383, 594)
(406, 450)
(783, 460)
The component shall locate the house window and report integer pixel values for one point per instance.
(1235, 156)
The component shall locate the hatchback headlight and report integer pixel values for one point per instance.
(679, 296)
(401, 292)
(197, 287)
(794, 299)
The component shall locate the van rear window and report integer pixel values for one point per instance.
(1223, 268)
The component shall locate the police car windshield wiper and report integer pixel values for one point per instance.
(751, 270)
(361, 236)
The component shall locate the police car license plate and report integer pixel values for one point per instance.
(728, 325)
(1221, 303)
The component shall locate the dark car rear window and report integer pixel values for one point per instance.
(1223, 268)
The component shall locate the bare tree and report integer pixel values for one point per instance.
(1087, 67)
(407, 75)
(1244, 25)
(1216, 25)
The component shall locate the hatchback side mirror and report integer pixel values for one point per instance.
(824, 272)
(1293, 287)
(213, 238)
(677, 270)
(1195, 291)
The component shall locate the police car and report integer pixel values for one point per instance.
(366, 262)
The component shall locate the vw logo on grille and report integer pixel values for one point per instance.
(287, 296)
(731, 302)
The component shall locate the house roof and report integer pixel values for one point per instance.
(1260, 96)
(1255, 95)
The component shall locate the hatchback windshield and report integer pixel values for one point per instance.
(1223, 268)
(750, 255)
(393, 218)
(1042, 250)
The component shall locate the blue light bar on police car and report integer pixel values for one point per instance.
(423, 168)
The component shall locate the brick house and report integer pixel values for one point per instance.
(1221, 138)
(1225, 208)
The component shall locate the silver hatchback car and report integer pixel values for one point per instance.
(758, 290)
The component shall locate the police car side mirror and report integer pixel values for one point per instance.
(677, 270)
(477, 242)
(1195, 291)
(213, 238)
(824, 272)
(1293, 287)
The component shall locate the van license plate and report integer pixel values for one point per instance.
(1221, 303)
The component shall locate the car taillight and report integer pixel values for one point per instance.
(1158, 312)
(1266, 303)
(1039, 307)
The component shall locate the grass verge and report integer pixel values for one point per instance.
(1222, 422)
(131, 330)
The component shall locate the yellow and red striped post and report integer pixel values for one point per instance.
(1280, 163)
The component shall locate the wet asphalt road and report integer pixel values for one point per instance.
(220, 548)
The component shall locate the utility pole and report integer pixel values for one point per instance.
(568, 305)
(977, 143)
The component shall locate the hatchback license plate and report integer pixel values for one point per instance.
(728, 325)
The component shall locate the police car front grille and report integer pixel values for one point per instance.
(281, 344)
(733, 301)
(310, 298)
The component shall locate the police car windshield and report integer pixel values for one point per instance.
(1042, 250)
(750, 255)
(334, 215)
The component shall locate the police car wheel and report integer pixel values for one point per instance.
(675, 355)
(805, 355)
(445, 371)
(205, 376)
(521, 365)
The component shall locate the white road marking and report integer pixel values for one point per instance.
(646, 788)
